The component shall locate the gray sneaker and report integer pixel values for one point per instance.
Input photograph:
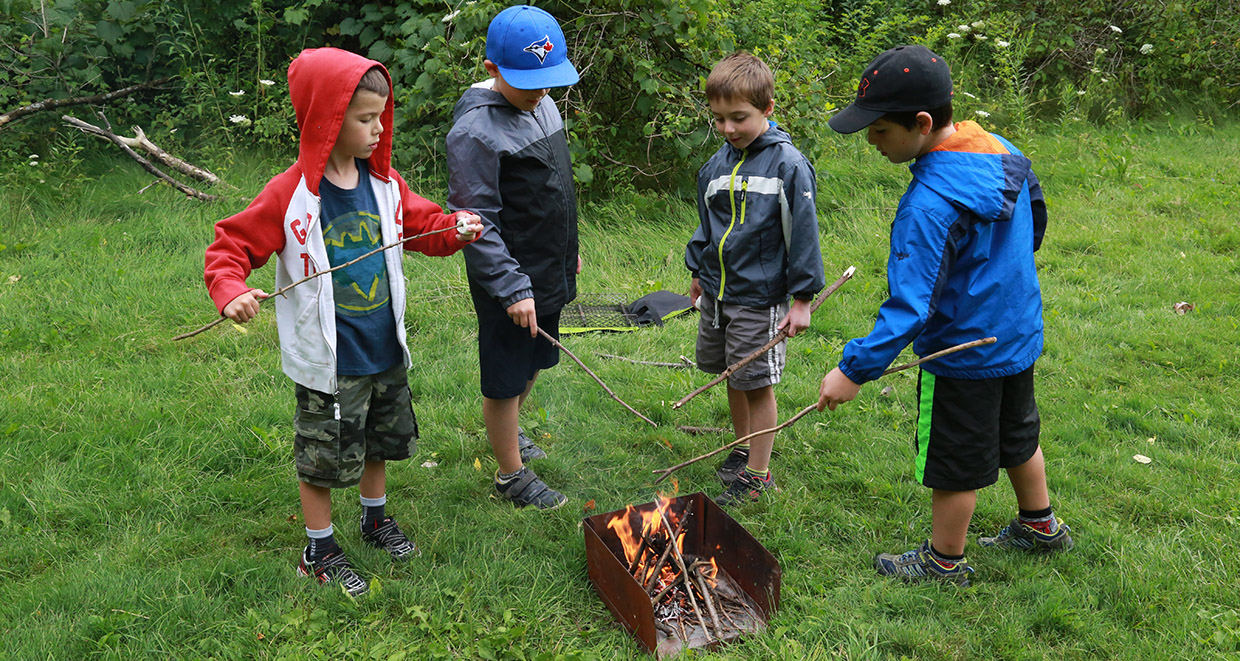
(525, 445)
(1024, 537)
(921, 564)
(528, 489)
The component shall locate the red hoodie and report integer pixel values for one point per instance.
(284, 220)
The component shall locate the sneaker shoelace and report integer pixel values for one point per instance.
(389, 536)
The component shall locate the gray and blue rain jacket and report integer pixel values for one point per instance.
(513, 169)
(757, 242)
(961, 264)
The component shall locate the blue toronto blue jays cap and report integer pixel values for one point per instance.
(527, 45)
(902, 79)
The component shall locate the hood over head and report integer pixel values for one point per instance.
(321, 82)
(975, 170)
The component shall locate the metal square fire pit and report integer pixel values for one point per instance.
(748, 576)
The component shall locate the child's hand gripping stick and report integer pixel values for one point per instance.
(468, 226)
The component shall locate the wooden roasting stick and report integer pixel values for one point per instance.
(667, 472)
(312, 276)
(779, 337)
(577, 360)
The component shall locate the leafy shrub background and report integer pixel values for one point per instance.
(638, 117)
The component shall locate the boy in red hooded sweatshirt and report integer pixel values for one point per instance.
(342, 341)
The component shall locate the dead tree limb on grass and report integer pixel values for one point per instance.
(147, 165)
(145, 144)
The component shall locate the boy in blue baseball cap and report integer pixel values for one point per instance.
(508, 161)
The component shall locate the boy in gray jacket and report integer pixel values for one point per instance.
(508, 161)
(757, 244)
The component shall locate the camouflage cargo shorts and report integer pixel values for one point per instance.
(369, 419)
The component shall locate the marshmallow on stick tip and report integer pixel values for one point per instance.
(468, 226)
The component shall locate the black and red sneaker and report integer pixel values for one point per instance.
(333, 568)
(746, 489)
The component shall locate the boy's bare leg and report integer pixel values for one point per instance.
(762, 414)
(374, 480)
(316, 505)
(738, 407)
(949, 526)
(1029, 482)
(502, 419)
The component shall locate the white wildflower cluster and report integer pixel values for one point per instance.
(952, 35)
(981, 113)
(971, 96)
(1116, 30)
(1146, 49)
(266, 82)
(237, 93)
(999, 43)
(240, 120)
(944, 3)
(34, 160)
(963, 28)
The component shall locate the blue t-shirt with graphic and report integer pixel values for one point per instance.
(366, 340)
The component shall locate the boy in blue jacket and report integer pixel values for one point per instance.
(756, 245)
(508, 161)
(961, 267)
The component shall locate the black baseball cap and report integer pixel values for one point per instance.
(902, 79)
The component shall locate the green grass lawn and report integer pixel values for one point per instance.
(148, 502)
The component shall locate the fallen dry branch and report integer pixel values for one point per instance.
(312, 276)
(52, 104)
(665, 473)
(684, 363)
(577, 360)
(779, 337)
(147, 165)
(145, 144)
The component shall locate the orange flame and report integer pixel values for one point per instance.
(650, 526)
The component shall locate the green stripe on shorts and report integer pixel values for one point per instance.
(924, 408)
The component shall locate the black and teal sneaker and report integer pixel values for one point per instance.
(333, 568)
(921, 564)
(1022, 536)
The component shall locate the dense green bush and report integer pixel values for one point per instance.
(638, 117)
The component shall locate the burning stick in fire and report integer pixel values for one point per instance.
(667, 472)
(680, 562)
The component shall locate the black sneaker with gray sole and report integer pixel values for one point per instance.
(525, 445)
(732, 466)
(333, 568)
(385, 534)
(528, 489)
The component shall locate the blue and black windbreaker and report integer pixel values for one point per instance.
(961, 265)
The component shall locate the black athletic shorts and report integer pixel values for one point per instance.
(968, 429)
(508, 357)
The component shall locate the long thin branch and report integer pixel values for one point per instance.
(577, 360)
(149, 167)
(312, 276)
(779, 337)
(667, 472)
(50, 104)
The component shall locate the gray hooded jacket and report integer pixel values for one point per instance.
(513, 169)
(757, 243)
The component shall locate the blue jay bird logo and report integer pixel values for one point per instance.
(540, 48)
